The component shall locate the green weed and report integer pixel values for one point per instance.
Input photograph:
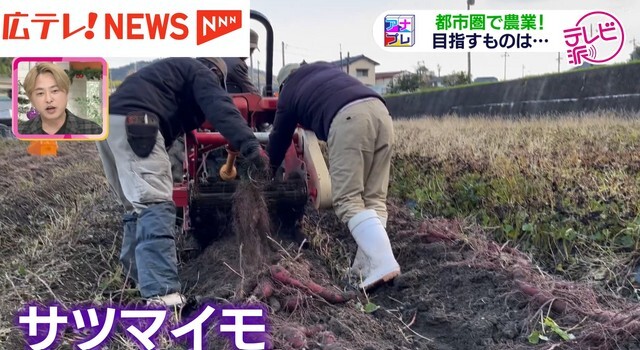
(564, 189)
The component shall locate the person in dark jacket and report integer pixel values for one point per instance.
(148, 111)
(238, 80)
(354, 121)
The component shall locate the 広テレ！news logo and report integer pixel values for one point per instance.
(399, 30)
(75, 28)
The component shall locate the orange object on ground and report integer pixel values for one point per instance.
(43, 148)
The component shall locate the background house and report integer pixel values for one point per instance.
(485, 80)
(361, 67)
(5, 84)
(383, 79)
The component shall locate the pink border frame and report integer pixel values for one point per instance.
(65, 137)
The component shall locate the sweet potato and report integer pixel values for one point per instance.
(329, 295)
(433, 236)
(292, 302)
(279, 273)
(313, 330)
(295, 337)
(624, 319)
(264, 289)
(542, 297)
(327, 338)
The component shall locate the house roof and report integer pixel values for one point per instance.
(352, 59)
(387, 75)
(583, 65)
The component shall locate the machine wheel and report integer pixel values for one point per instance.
(288, 222)
(288, 219)
(176, 156)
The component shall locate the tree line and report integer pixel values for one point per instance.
(423, 78)
(5, 66)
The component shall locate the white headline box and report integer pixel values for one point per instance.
(582, 35)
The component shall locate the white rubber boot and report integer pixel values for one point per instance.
(371, 236)
(360, 265)
(361, 262)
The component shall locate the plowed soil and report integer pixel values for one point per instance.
(458, 290)
(61, 234)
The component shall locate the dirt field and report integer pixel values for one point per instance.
(459, 289)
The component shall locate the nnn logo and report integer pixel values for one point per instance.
(213, 24)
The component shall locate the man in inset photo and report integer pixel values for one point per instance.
(47, 87)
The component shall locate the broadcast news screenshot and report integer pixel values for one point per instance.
(332, 175)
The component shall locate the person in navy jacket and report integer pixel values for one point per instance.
(354, 121)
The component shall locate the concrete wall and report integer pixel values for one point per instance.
(615, 87)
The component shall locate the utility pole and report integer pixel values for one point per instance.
(634, 53)
(505, 55)
(439, 68)
(559, 59)
(469, 3)
(422, 71)
(523, 70)
(252, 72)
(259, 89)
(283, 53)
(342, 69)
(348, 61)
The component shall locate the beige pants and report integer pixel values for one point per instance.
(360, 143)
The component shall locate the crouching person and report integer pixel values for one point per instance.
(355, 123)
(146, 113)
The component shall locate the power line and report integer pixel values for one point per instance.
(287, 46)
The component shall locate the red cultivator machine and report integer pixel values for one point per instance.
(206, 182)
